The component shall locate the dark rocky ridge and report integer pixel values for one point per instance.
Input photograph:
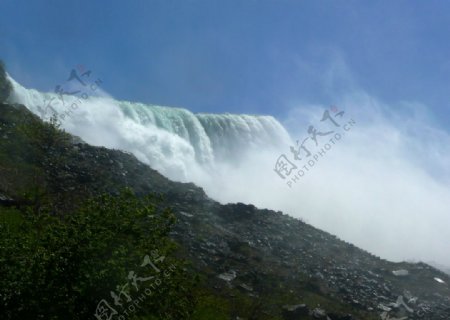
(5, 85)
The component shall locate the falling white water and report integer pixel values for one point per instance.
(180, 144)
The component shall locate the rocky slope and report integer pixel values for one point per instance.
(255, 263)
(259, 250)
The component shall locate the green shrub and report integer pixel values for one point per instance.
(63, 267)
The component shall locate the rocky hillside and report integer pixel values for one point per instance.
(255, 263)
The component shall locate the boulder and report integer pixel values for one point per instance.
(295, 312)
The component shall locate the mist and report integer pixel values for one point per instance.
(384, 186)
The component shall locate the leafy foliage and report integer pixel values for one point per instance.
(61, 268)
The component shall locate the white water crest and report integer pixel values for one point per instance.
(180, 144)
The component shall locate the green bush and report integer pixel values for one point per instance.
(67, 267)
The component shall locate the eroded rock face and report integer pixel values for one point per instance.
(5, 85)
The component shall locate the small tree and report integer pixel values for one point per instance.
(48, 151)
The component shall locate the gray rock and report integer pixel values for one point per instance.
(295, 312)
(400, 273)
(228, 276)
(318, 313)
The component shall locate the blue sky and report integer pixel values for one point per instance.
(239, 56)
